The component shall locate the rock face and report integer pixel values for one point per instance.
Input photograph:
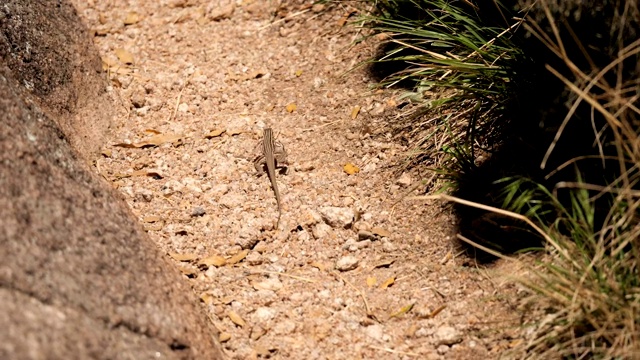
(79, 279)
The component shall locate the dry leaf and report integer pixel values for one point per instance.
(214, 133)
(390, 281)
(200, 16)
(381, 232)
(151, 219)
(227, 300)
(372, 281)
(183, 257)
(224, 337)
(206, 298)
(106, 152)
(318, 265)
(155, 140)
(351, 169)
(124, 56)
(108, 62)
(132, 18)
(238, 257)
(213, 260)
(152, 131)
(236, 319)
(515, 343)
(437, 311)
(403, 310)
(385, 263)
(354, 112)
(291, 107)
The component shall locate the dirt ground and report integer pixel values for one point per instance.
(349, 274)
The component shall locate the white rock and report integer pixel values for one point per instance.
(231, 201)
(363, 244)
(447, 335)
(347, 263)
(263, 314)
(142, 111)
(369, 168)
(171, 186)
(388, 246)
(337, 217)
(321, 231)
(404, 180)
(304, 236)
(272, 283)
(375, 332)
(348, 244)
(423, 332)
(284, 327)
(143, 194)
(298, 297)
(220, 189)
(183, 107)
(254, 258)
(442, 349)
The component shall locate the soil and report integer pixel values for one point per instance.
(355, 270)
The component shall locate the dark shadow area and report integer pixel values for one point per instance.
(538, 108)
(592, 35)
(382, 71)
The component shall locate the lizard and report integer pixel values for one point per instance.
(272, 156)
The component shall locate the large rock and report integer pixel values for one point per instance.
(79, 279)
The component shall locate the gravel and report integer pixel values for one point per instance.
(216, 74)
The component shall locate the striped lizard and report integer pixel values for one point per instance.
(272, 156)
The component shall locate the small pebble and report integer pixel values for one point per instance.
(254, 258)
(347, 263)
(263, 314)
(337, 217)
(447, 335)
(321, 231)
(404, 180)
(375, 332)
(198, 211)
(443, 349)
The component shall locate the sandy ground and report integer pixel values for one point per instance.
(349, 274)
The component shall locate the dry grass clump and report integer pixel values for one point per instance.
(589, 288)
(591, 285)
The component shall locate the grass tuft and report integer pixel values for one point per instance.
(453, 67)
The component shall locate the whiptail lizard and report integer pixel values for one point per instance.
(273, 156)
